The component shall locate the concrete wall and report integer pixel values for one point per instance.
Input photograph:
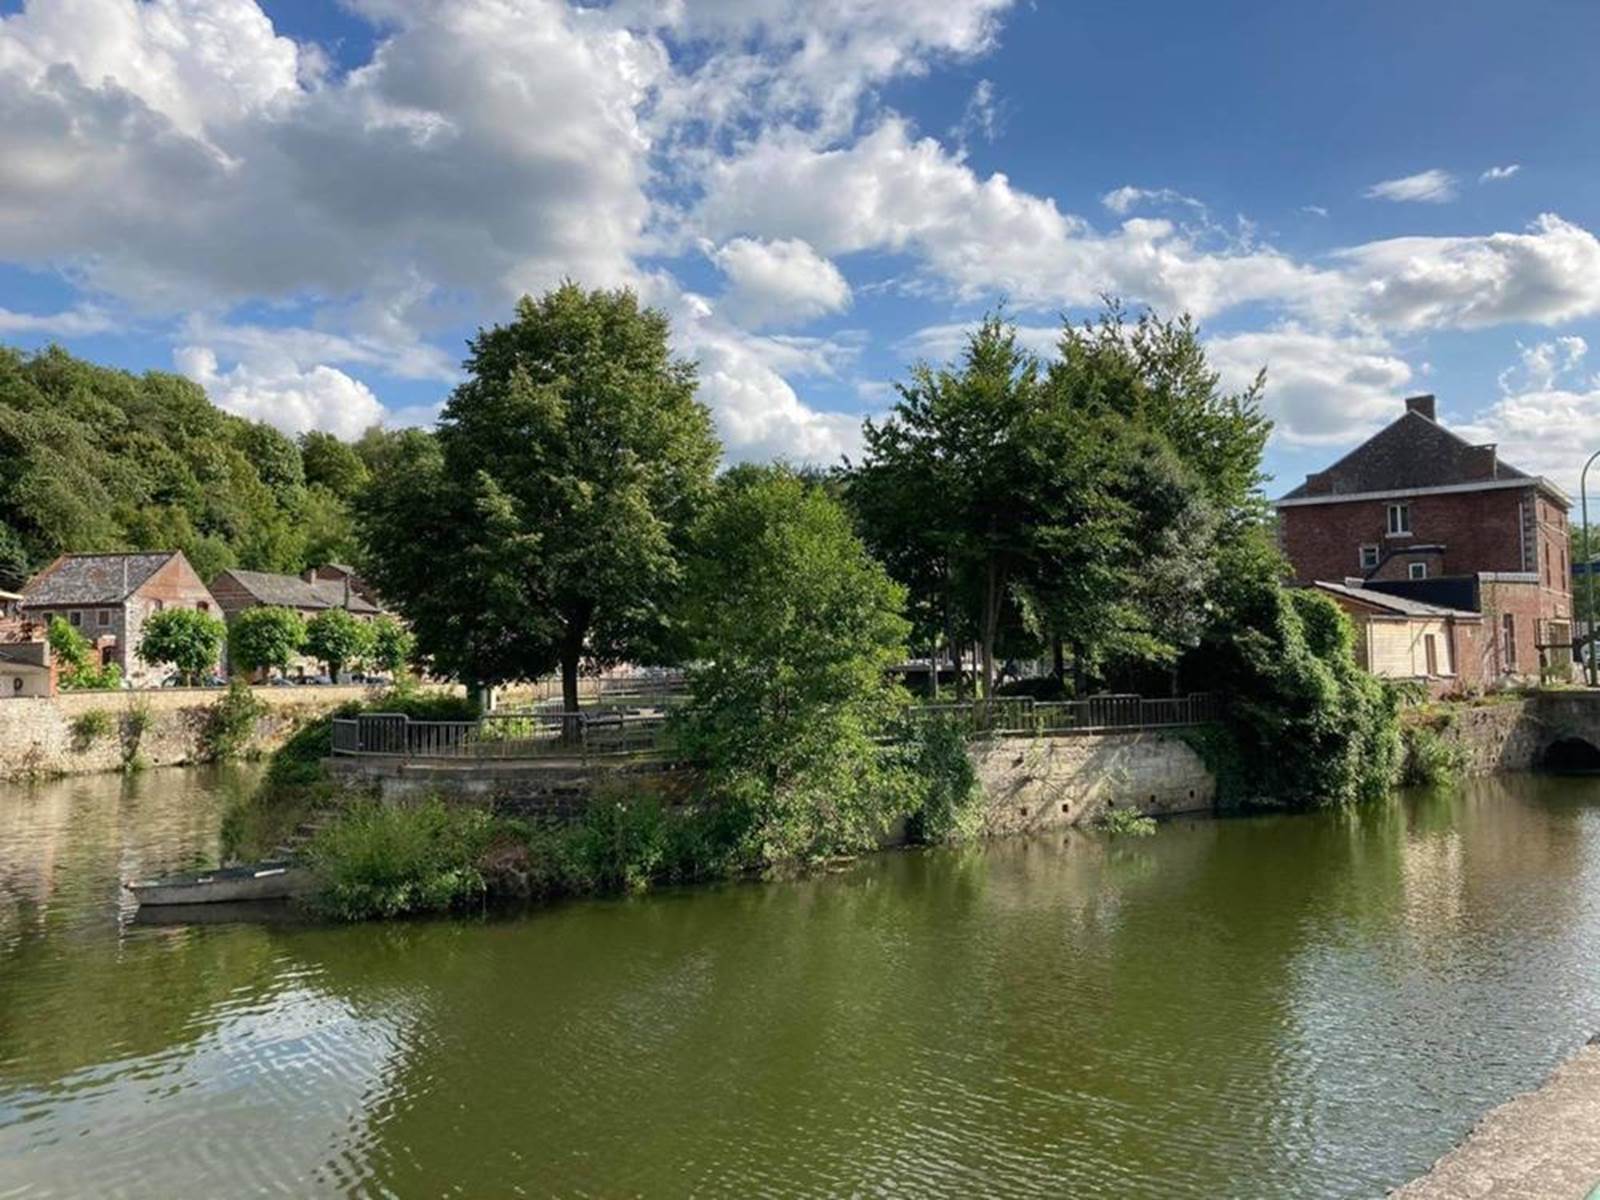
(38, 736)
(1033, 784)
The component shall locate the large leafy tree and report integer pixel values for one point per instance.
(185, 638)
(543, 525)
(264, 637)
(334, 638)
(794, 627)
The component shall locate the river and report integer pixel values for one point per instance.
(1277, 1006)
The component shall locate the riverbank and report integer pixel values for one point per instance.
(78, 733)
(1541, 1145)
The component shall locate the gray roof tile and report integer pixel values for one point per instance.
(92, 578)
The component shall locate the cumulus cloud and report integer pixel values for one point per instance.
(1545, 418)
(1427, 187)
(1494, 173)
(779, 281)
(1322, 389)
(1548, 273)
(283, 394)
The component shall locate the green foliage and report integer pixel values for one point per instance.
(336, 638)
(392, 645)
(1305, 726)
(795, 627)
(1430, 759)
(78, 667)
(185, 638)
(543, 525)
(1126, 822)
(332, 465)
(136, 722)
(231, 722)
(950, 804)
(100, 459)
(90, 726)
(385, 860)
(265, 637)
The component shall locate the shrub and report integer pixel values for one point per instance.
(1041, 687)
(385, 860)
(335, 638)
(135, 723)
(90, 726)
(231, 722)
(265, 636)
(187, 638)
(1430, 759)
(950, 804)
(1126, 822)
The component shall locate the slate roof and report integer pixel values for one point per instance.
(89, 579)
(290, 591)
(1396, 604)
(1411, 452)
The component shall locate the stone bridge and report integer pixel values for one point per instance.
(1557, 729)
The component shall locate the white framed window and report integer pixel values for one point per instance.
(1417, 570)
(1369, 556)
(1399, 519)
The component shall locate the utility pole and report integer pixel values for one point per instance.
(1590, 667)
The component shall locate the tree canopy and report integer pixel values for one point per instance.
(335, 638)
(555, 494)
(184, 638)
(264, 637)
(95, 459)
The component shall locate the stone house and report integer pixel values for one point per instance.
(1420, 513)
(109, 597)
(26, 669)
(320, 589)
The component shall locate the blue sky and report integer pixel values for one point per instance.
(309, 207)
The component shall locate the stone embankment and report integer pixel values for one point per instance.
(82, 732)
(1543, 1145)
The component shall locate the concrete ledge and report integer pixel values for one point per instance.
(1542, 1145)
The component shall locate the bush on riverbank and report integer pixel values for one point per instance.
(1431, 759)
(1305, 727)
(384, 860)
(950, 806)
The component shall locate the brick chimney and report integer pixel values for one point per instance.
(1482, 462)
(1422, 406)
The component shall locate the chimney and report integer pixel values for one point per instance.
(1421, 405)
(1482, 462)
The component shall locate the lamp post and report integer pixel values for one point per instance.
(1588, 573)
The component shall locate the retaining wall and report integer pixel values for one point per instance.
(43, 736)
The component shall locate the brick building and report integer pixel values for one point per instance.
(1418, 512)
(108, 597)
(320, 589)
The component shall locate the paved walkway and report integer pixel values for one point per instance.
(1542, 1145)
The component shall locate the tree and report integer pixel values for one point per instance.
(544, 523)
(264, 637)
(335, 638)
(68, 647)
(332, 464)
(392, 645)
(793, 629)
(185, 638)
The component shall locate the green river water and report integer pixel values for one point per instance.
(1279, 1006)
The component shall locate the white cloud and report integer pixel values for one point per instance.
(974, 236)
(1315, 210)
(1546, 274)
(1125, 199)
(1548, 410)
(1494, 173)
(983, 116)
(1428, 187)
(73, 322)
(279, 392)
(403, 357)
(779, 281)
(1322, 389)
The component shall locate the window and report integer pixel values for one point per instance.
(157, 605)
(103, 617)
(1369, 557)
(1399, 519)
(1508, 641)
(202, 606)
(75, 617)
(1430, 646)
(1418, 570)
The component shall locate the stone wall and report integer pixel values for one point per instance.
(1503, 735)
(1034, 784)
(40, 737)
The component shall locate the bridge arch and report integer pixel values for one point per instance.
(1571, 753)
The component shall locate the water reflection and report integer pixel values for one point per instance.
(1271, 1006)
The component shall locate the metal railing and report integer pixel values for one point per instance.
(1022, 715)
(522, 735)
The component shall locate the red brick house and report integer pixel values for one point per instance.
(1418, 512)
(108, 598)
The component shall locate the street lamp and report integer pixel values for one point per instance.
(1588, 571)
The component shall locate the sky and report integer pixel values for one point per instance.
(309, 207)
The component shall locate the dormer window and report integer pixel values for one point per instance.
(1418, 570)
(1399, 520)
(1369, 556)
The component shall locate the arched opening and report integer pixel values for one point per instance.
(1571, 754)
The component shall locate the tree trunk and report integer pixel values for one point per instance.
(1080, 680)
(992, 592)
(571, 657)
(1059, 654)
